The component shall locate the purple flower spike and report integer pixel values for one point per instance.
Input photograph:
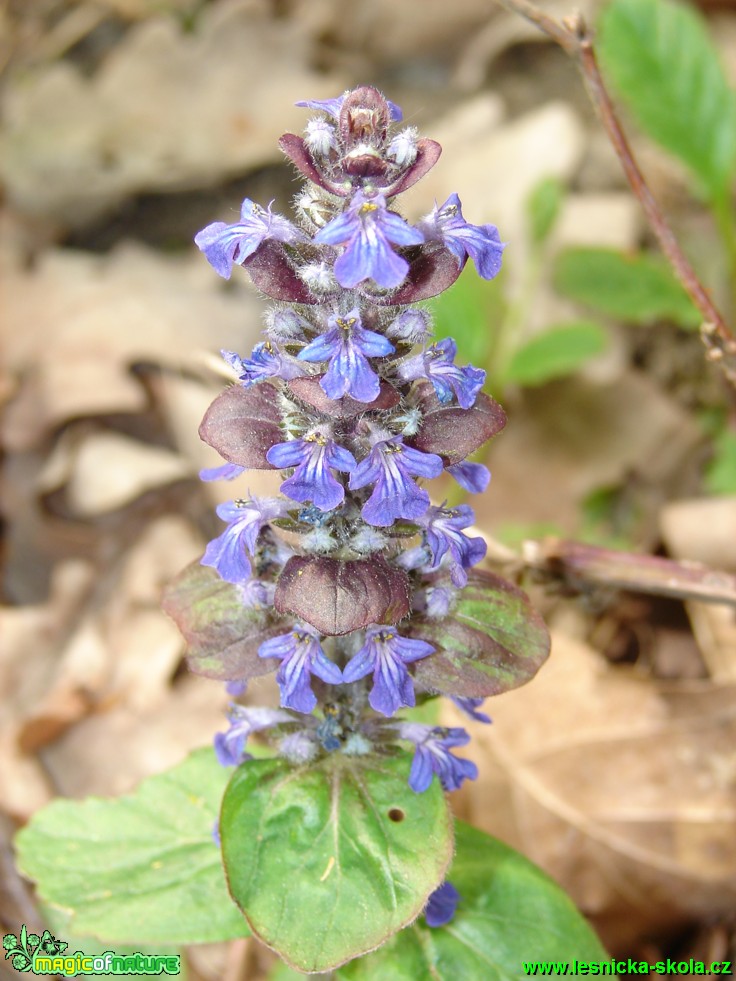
(244, 720)
(433, 756)
(474, 477)
(348, 345)
(441, 905)
(444, 537)
(481, 242)
(470, 707)
(333, 106)
(266, 362)
(386, 654)
(225, 245)
(438, 364)
(366, 228)
(390, 466)
(314, 457)
(301, 656)
(245, 519)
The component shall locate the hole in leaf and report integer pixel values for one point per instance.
(396, 814)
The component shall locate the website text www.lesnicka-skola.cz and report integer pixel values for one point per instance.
(613, 967)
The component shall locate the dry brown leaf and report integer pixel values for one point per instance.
(110, 753)
(105, 471)
(76, 323)
(30, 635)
(73, 147)
(507, 161)
(582, 436)
(624, 791)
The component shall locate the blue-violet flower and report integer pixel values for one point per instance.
(481, 242)
(441, 905)
(444, 537)
(314, 457)
(227, 552)
(301, 656)
(225, 245)
(367, 229)
(348, 345)
(391, 466)
(438, 364)
(432, 756)
(386, 654)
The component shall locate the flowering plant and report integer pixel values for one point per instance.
(360, 593)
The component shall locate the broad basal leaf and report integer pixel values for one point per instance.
(664, 65)
(640, 289)
(510, 914)
(328, 861)
(141, 868)
(556, 353)
(491, 642)
(222, 634)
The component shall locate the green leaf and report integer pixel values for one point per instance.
(720, 474)
(664, 66)
(492, 641)
(639, 289)
(557, 352)
(510, 912)
(141, 868)
(469, 312)
(543, 207)
(328, 861)
(222, 635)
